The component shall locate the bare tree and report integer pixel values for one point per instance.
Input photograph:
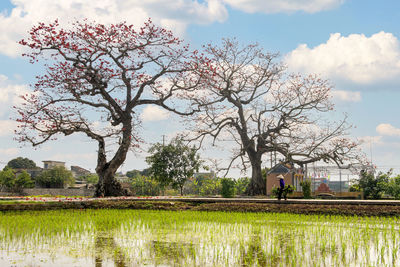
(97, 78)
(252, 100)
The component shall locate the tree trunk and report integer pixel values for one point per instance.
(108, 185)
(257, 182)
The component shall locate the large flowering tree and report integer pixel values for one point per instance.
(96, 78)
(253, 101)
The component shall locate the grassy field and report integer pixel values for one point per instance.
(195, 238)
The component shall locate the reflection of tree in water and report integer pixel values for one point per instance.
(106, 246)
(252, 252)
(171, 252)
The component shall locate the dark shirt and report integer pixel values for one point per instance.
(282, 183)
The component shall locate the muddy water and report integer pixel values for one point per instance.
(155, 238)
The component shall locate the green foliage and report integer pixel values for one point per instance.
(228, 187)
(287, 190)
(241, 185)
(57, 177)
(145, 186)
(204, 186)
(10, 181)
(355, 188)
(393, 187)
(7, 178)
(173, 163)
(133, 173)
(21, 163)
(23, 180)
(275, 191)
(306, 188)
(91, 178)
(374, 186)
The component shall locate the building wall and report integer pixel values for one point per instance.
(50, 164)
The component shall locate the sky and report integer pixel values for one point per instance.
(353, 43)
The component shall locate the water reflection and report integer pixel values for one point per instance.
(171, 252)
(106, 247)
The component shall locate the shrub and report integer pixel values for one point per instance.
(145, 186)
(241, 185)
(228, 187)
(287, 190)
(10, 181)
(393, 187)
(306, 188)
(210, 187)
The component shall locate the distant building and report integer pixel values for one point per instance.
(79, 171)
(335, 186)
(48, 164)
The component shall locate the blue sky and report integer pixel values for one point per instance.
(354, 43)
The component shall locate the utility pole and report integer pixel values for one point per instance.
(163, 139)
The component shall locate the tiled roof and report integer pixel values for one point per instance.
(279, 168)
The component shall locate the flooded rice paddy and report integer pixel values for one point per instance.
(189, 238)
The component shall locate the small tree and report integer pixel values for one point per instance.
(174, 163)
(374, 186)
(21, 163)
(228, 187)
(393, 187)
(306, 188)
(7, 178)
(57, 177)
(23, 180)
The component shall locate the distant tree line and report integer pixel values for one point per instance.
(377, 186)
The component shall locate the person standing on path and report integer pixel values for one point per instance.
(281, 186)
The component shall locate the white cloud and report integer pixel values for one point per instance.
(7, 127)
(387, 129)
(356, 58)
(371, 140)
(154, 113)
(287, 6)
(9, 151)
(10, 94)
(346, 96)
(175, 15)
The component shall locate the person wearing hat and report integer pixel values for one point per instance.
(281, 186)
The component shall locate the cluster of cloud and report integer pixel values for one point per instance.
(10, 94)
(355, 58)
(154, 113)
(387, 129)
(287, 6)
(346, 96)
(175, 15)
